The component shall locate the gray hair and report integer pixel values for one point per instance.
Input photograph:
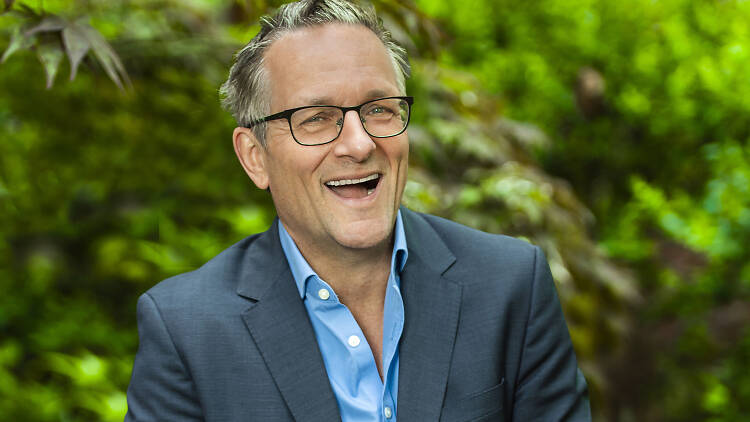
(246, 93)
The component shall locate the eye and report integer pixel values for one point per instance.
(378, 110)
(320, 117)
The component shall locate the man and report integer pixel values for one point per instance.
(349, 307)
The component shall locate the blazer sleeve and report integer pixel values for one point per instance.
(550, 385)
(161, 388)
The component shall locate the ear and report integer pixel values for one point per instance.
(252, 156)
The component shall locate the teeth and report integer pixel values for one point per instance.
(370, 191)
(353, 181)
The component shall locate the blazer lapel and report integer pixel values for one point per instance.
(431, 306)
(281, 329)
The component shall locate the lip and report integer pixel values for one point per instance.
(354, 177)
(364, 201)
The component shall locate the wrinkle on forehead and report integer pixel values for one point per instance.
(329, 64)
(328, 100)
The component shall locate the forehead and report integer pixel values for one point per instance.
(334, 62)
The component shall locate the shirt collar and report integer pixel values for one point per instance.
(301, 270)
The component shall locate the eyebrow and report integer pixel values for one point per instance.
(377, 93)
(318, 101)
(370, 95)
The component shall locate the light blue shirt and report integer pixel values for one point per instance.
(347, 356)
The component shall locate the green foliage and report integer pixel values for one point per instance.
(718, 224)
(705, 283)
(672, 78)
(645, 107)
(103, 195)
(53, 37)
(637, 149)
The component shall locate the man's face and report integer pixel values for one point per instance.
(342, 65)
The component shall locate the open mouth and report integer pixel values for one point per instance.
(354, 188)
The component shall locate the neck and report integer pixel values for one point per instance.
(354, 274)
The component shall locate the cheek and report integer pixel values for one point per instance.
(294, 168)
(403, 165)
(398, 152)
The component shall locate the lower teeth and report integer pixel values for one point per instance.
(370, 191)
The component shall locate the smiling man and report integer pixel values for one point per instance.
(350, 307)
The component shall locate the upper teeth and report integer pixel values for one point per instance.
(352, 181)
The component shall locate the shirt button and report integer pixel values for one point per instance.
(388, 412)
(353, 341)
(324, 294)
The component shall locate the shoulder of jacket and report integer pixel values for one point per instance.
(474, 240)
(209, 278)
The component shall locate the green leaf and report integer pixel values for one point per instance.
(49, 24)
(106, 55)
(76, 45)
(50, 54)
(18, 41)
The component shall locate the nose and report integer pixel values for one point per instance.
(353, 141)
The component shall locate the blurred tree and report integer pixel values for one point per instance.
(645, 105)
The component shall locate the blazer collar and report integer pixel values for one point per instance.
(426, 242)
(431, 305)
(281, 329)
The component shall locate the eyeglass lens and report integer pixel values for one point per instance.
(320, 124)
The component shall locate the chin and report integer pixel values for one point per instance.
(364, 237)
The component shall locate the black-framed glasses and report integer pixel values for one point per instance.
(321, 124)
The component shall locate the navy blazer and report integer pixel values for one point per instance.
(484, 337)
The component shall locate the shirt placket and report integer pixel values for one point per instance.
(393, 321)
(341, 327)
